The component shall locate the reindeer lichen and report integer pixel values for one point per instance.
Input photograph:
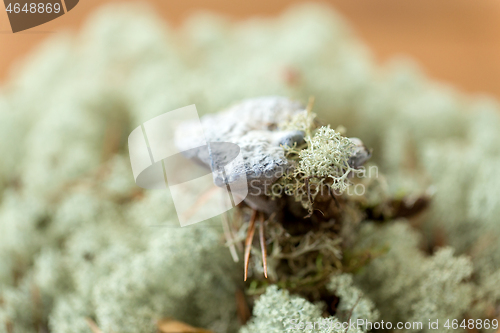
(277, 311)
(321, 166)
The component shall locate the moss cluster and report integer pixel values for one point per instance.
(322, 165)
(326, 158)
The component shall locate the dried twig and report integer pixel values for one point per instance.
(248, 241)
(229, 237)
(263, 244)
(93, 326)
(334, 198)
(174, 326)
(199, 202)
(352, 309)
(242, 309)
(309, 196)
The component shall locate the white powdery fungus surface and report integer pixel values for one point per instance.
(253, 125)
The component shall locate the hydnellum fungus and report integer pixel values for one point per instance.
(280, 143)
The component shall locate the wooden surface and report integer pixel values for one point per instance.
(456, 41)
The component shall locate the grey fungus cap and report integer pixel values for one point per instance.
(253, 126)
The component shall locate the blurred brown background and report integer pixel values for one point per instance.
(456, 41)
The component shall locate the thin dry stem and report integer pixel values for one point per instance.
(93, 326)
(229, 237)
(263, 244)
(248, 241)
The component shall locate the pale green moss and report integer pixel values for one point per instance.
(326, 157)
(324, 163)
(353, 304)
(277, 311)
(408, 286)
(303, 121)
